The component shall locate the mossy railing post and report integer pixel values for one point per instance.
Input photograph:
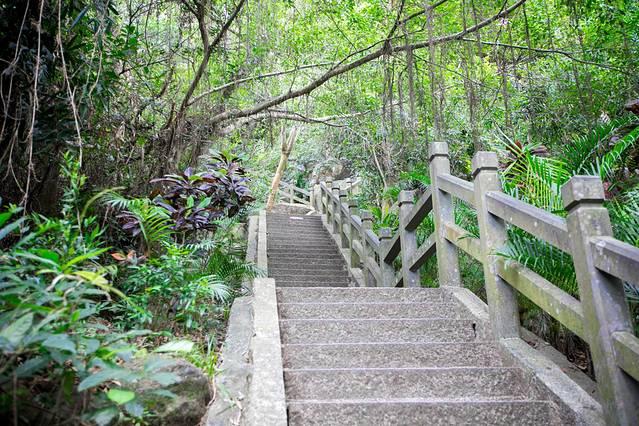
(326, 200)
(502, 298)
(408, 239)
(335, 208)
(290, 195)
(343, 220)
(348, 186)
(386, 269)
(315, 198)
(443, 211)
(353, 236)
(367, 253)
(602, 297)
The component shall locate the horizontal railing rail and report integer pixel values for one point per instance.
(294, 195)
(600, 316)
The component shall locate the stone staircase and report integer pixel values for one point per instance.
(301, 253)
(386, 356)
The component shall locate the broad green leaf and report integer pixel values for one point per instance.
(16, 331)
(155, 363)
(106, 375)
(92, 277)
(134, 408)
(60, 341)
(105, 417)
(11, 227)
(82, 258)
(31, 366)
(48, 254)
(120, 396)
(176, 346)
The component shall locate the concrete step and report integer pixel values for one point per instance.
(391, 355)
(301, 230)
(304, 253)
(307, 284)
(303, 242)
(274, 237)
(361, 294)
(294, 220)
(369, 310)
(376, 331)
(317, 277)
(420, 412)
(305, 263)
(300, 243)
(287, 229)
(457, 383)
(310, 270)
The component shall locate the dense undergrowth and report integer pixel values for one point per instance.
(76, 310)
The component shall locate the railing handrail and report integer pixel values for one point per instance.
(602, 262)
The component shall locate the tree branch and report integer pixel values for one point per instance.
(333, 72)
(257, 77)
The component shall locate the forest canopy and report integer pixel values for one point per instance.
(141, 88)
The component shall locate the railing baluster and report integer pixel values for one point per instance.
(387, 270)
(343, 220)
(353, 236)
(408, 239)
(367, 224)
(602, 297)
(443, 211)
(335, 208)
(502, 298)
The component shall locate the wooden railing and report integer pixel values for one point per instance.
(294, 195)
(600, 316)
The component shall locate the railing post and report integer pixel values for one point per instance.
(348, 183)
(408, 239)
(367, 224)
(343, 220)
(325, 199)
(443, 212)
(316, 198)
(335, 208)
(502, 298)
(354, 257)
(386, 269)
(602, 298)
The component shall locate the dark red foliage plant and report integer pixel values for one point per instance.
(196, 200)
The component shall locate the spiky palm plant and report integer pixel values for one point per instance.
(531, 175)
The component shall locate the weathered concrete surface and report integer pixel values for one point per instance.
(266, 391)
(565, 384)
(419, 413)
(235, 369)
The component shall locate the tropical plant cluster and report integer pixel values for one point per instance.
(75, 312)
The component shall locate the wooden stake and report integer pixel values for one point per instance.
(287, 147)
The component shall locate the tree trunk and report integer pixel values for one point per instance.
(287, 147)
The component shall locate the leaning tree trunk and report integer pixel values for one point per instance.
(287, 146)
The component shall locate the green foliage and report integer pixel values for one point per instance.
(189, 286)
(52, 290)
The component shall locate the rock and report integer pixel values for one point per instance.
(192, 394)
(632, 106)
